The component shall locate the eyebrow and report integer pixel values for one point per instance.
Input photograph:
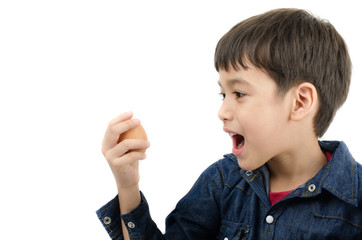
(234, 81)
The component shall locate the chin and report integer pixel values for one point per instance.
(248, 164)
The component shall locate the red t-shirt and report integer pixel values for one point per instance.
(275, 197)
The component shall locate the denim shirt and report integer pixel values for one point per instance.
(229, 203)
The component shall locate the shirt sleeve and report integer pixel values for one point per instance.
(138, 222)
(196, 216)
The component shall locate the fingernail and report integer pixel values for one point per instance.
(136, 121)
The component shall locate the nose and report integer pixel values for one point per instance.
(224, 113)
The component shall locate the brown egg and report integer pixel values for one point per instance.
(135, 133)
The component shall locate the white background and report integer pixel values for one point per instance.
(68, 67)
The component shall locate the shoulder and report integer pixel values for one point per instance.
(343, 202)
(345, 174)
(229, 170)
(227, 165)
(358, 188)
(359, 184)
(224, 173)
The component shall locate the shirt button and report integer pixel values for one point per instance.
(226, 238)
(107, 220)
(269, 219)
(311, 188)
(131, 225)
(248, 173)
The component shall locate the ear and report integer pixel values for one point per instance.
(305, 101)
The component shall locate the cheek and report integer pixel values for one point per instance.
(265, 124)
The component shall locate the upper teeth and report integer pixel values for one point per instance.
(232, 134)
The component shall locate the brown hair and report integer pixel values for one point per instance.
(292, 46)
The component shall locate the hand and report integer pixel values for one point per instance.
(124, 164)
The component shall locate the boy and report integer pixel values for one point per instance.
(283, 75)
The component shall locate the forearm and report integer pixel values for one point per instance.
(128, 199)
(125, 231)
(196, 216)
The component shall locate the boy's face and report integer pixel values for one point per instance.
(254, 115)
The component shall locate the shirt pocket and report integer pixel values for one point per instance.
(345, 216)
(233, 231)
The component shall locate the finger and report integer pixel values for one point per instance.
(126, 160)
(112, 134)
(125, 146)
(121, 118)
(119, 128)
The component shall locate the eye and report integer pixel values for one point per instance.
(238, 94)
(222, 95)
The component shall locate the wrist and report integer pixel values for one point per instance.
(129, 199)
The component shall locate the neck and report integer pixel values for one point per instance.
(295, 167)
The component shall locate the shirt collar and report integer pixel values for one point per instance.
(340, 175)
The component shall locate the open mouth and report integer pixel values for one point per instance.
(238, 143)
